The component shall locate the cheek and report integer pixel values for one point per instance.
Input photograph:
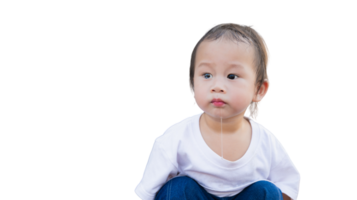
(241, 98)
(200, 95)
(198, 91)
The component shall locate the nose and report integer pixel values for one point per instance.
(218, 90)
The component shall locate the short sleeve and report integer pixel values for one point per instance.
(283, 172)
(157, 171)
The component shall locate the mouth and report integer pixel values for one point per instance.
(218, 103)
(217, 100)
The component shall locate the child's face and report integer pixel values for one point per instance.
(224, 70)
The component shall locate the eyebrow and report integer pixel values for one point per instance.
(232, 65)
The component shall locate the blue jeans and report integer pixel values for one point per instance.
(185, 188)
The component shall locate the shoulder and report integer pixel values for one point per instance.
(179, 130)
(269, 143)
(262, 128)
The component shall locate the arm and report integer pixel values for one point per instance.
(286, 197)
(283, 172)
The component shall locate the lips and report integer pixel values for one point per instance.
(217, 100)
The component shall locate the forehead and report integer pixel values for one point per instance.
(224, 52)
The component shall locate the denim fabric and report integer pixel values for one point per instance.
(185, 188)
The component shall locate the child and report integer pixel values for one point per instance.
(220, 153)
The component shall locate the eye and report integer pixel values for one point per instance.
(204, 75)
(230, 75)
(233, 75)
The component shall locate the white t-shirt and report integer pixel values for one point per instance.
(181, 151)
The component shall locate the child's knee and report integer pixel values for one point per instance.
(184, 183)
(264, 184)
(266, 190)
(177, 188)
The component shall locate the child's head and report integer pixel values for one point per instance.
(230, 63)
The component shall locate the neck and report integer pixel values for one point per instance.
(230, 125)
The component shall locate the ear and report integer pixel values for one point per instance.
(262, 91)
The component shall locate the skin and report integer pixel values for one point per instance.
(225, 70)
(286, 197)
